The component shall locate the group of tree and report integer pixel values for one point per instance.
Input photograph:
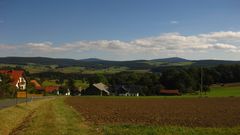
(185, 79)
(6, 88)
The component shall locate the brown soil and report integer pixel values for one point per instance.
(190, 112)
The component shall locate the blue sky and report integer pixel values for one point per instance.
(120, 29)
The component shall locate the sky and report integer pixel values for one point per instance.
(120, 29)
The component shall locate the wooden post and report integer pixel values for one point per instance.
(26, 97)
(16, 97)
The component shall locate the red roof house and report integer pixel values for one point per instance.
(37, 86)
(17, 77)
(170, 92)
(50, 89)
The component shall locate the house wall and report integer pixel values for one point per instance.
(133, 94)
(21, 83)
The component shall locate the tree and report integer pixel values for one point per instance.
(6, 89)
(31, 89)
(97, 79)
(60, 81)
(71, 87)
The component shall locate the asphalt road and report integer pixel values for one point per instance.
(11, 102)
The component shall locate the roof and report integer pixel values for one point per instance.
(176, 92)
(134, 88)
(51, 88)
(127, 88)
(101, 87)
(14, 74)
(36, 85)
(119, 89)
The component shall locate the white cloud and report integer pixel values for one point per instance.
(6, 47)
(224, 46)
(167, 43)
(43, 47)
(228, 35)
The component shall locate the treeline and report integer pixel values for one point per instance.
(95, 64)
(186, 79)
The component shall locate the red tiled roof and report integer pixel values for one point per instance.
(14, 74)
(51, 88)
(170, 92)
(36, 85)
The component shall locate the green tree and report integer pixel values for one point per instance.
(71, 87)
(6, 89)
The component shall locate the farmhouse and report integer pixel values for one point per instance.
(17, 77)
(37, 86)
(170, 92)
(52, 89)
(97, 89)
(123, 90)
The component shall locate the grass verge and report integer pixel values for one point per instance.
(13, 116)
(48, 117)
(166, 130)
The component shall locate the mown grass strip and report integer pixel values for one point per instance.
(55, 118)
(12, 117)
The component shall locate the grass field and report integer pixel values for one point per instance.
(14, 116)
(165, 130)
(43, 117)
(54, 117)
(33, 68)
(224, 91)
(50, 83)
(160, 116)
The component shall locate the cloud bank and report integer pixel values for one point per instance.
(167, 43)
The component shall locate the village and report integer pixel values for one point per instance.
(34, 88)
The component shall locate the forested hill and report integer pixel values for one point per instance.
(98, 63)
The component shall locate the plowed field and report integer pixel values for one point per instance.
(190, 112)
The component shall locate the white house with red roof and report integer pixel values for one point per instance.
(17, 77)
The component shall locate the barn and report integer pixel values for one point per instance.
(170, 92)
(96, 89)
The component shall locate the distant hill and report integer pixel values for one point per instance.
(172, 60)
(38, 60)
(91, 59)
(95, 63)
(213, 62)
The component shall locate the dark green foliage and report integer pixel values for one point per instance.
(31, 89)
(6, 88)
(178, 79)
(71, 87)
(186, 79)
(97, 79)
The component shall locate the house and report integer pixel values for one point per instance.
(17, 77)
(97, 89)
(37, 86)
(126, 90)
(52, 89)
(68, 93)
(170, 92)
